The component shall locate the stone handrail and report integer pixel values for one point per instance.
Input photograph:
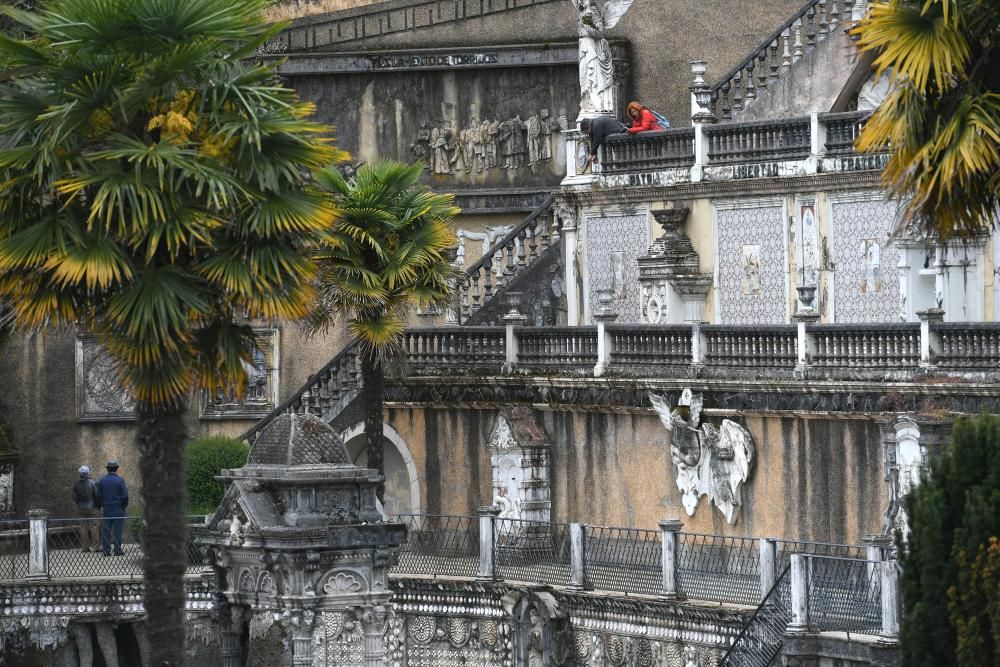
(665, 149)
(323, 390)
(800, 34)
(818, 143)
(506, 258)
(843, 351)
(785, 139)
(384, 18)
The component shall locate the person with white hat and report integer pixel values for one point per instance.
(85, 497)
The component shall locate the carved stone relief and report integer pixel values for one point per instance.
(453, 641)
(100, 395)
(338, 639)
(708, 460)
(6, 489)
(510, 144)
(519, 455)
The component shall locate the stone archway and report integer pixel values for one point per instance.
(402, 487)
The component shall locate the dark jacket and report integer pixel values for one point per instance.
(85, 493)
(112, 492)
(600, 128)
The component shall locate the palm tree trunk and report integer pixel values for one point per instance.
(161, 464)
(372, 400)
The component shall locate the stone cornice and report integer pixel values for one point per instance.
(816, 398)
(717, 189)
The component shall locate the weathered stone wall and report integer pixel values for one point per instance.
(815, 478)
(40, 407)
(664, 35)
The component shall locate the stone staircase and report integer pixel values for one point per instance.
(384, 18)
(332, 389)
(811, 25)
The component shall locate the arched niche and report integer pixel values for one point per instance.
(402, 488)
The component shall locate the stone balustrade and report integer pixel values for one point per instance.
(507, 258)
(666, 149)
(788, 146)
(835, 350)
(748, 79)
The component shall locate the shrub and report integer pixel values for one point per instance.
(206, 457)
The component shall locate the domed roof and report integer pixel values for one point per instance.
(293, 439)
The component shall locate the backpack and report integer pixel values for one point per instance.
(661, 119)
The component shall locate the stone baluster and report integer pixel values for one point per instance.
(725, 104)
(487, 279)
(834, 15)
(749, 89)
(578, 557)
(786, 54)
(761, 69)
(669, 557)
(487, 564)
(811, 27)
(797, 44)
(799, 623)
(737, 93)
(768, 565)
(38, 549)
(774, 64)
(824, 25)
(930, 341)
(890, 602)
(521, 250)
(858, 9)
(532, 232)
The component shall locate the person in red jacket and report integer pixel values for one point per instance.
(643, 119)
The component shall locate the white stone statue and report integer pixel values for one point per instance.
(597, 71)
(709, 461)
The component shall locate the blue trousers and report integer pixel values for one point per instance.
(114, 522)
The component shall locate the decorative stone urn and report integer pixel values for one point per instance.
(299, 538)
(673, 290)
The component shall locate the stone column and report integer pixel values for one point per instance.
(890, 602)
(302, 636)
(142, 639)
(569, 228)
(373, 624)
(768, 565)
(80, 634)
(109, 645)
(487, 564)
(577, 556)
(699, 346)
(817, 143)
(669, 529)
(803, 317)
(512, 319)
(38, 553)
(930, 343)
(604, 314)
(800, 595)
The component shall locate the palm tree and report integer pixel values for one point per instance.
(390, 253)
(942, 120)
(154, 193)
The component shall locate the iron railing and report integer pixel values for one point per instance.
(761, 639)
(439, 545)
(718, 568)
(531, 551)
(626, 560)
(845, 595)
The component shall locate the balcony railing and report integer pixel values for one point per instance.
(839, 350)
(818, 143)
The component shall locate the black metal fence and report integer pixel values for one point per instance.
(845, 595)
(440, 545)
(626, 560)
(761, 639)
(531, 551)
(720, 569)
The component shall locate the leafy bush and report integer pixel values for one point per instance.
(206, 457)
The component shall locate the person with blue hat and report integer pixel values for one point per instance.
(113, 496)
(85, 497)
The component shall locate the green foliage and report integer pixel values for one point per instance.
(206, 457)
(942, 120)
(388, 252)
(954, 514)
(155, 184)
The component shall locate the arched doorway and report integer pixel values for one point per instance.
(402, 488)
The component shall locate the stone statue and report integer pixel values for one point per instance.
(458, 155)
(439, 152)
(596, 66)
(536, 641)
(517, 145)
(6, 489)
(709, 461)
(533, 126)
(547, 127)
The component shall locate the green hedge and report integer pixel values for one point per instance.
(206, 457)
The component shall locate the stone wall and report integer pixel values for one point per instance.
(815, 478)
(664, 35)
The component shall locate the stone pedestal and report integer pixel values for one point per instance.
(673, 290)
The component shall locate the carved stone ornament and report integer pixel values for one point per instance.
(343, 583)
(709, 461)
(502, 440)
